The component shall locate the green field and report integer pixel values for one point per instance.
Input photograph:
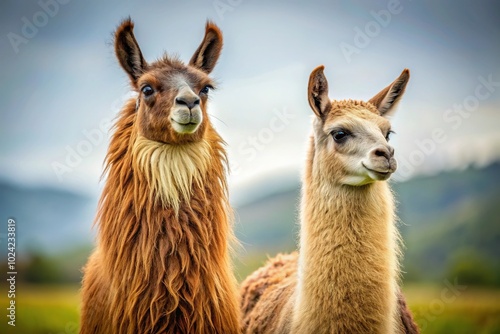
(43, 309)
(438, 309)
(448, 308)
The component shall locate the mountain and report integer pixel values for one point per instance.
(449, 220)
(46, 219)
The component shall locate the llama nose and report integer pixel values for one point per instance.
(384, 151)
(188, 101)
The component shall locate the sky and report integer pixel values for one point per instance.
(62, 86)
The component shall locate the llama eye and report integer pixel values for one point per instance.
(340, 136)
(147, 90)
(205, 90)
(388, 136)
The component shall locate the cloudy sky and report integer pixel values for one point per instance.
(61, 84)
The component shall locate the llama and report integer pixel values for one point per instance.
(345, 277)
(162, 261)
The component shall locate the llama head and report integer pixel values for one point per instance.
(351, 137)
(171, 106)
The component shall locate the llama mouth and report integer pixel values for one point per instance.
(188, 127)
(379, 175)
(184, 124)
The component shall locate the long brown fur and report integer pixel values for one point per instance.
(345, 277)
(162, 260)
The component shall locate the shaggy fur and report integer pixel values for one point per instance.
(345, 278)
(162, 260)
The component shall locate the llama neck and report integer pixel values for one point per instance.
(348, 266)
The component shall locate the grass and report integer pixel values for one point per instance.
(449, 308)
(437, 309)
(43, 309)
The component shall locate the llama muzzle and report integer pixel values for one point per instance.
(381, 169)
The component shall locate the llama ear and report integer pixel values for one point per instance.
(387, 100)
(207, 54)
(127, 50)
(317, 92)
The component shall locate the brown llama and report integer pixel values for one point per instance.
(162, 261)
(345, 277)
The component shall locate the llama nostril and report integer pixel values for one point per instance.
(188, 102)
(384, 152)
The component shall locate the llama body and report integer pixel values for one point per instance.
(162, 260)
(345, 277)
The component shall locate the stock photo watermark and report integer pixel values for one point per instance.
(453, 117)
(253, 144)
(223, 6)
(32, 25)
(371, 30)
(437, 306)
(70, 328)
(11, 271)
(75, 154)
(93, 138)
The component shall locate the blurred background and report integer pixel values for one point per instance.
(62, 88)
